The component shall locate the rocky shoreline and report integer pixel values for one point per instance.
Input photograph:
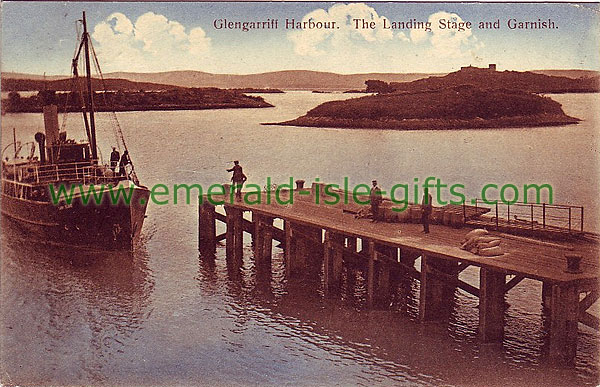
(458, 107)
(431, 124)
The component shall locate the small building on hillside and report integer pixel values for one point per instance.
(491, 67)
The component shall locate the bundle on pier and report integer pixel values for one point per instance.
(479, 242)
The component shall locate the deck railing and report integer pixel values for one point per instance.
(536, 216)
(84, 171)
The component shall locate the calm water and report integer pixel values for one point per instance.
(166, 316)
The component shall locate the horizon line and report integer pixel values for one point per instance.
(290, 70)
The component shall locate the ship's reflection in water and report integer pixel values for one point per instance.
(67, 312)
(390, 341)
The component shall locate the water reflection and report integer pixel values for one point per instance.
(74, 309)
(390, 342)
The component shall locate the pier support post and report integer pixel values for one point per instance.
(436, 289)
(267, 242)
(234, 236)
(337, 262)
(372, 255)
(263, 239)
(389, 251)
(206, 227)
(491, 304)
(383, 273)
(302, 247)
(302, 244)
(327, 258)
(229, 234)
(383, 283)
(564, 314)
(332, 262)
(309, 249)
(546, 295)
(351, 243)
(256, 238)
(255, 217)
(290, 249)
(238, 231)
(408, 257)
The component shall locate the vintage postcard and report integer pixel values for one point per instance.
(300, 193)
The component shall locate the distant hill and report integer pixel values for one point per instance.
(22, 84)
(487, 78)
(569, 73)
(293, 79)
(289, 79)
(12, 75)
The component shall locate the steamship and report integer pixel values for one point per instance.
(30, 184)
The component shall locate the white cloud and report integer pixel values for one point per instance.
(402, 36)
(313, 42)
(448, 42)
(418, 36)
(152, 43)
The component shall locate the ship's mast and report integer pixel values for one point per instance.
(90, 101)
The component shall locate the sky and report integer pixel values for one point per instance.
(152, 37)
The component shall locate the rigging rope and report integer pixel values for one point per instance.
(118, 131)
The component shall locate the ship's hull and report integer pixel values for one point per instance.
(105, 226)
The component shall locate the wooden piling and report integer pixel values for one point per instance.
(351, 242)
(383, 283)
(372, 256)
(491, 304)
(332, 262)
(255, 218)
(546, 295)
(229, 234)
(389, 254)
(263, 239)
(327, 263)
(206, 227)
(234, 235)
(409, 257)
(564, 310)
(437, 287)
(309, 248)
(238, 231)
(337, 262)
(267, 241)
(290, 249)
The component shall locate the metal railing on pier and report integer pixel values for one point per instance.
(552, 217)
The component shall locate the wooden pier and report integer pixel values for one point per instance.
(327, 237)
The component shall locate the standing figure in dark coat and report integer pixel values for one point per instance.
(238, 178)
(427, 208)
(114, 158)
(375, 199)
(124, 161)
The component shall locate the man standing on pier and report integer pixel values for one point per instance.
(375, 199)
(123, 163)
(238, 178)
(114, 158)
(427, 208)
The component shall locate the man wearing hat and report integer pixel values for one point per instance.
(114, 158)
(375, 199)
(238, 178)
